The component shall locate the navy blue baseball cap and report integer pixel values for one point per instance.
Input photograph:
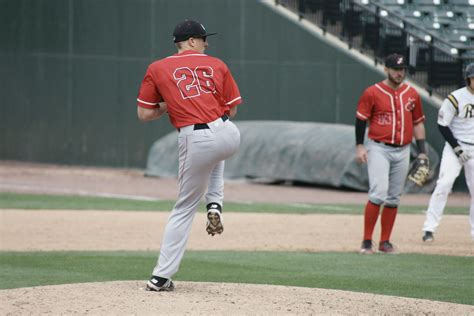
(395, 61)
(189, 28)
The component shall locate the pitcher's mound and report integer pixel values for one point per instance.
(129, 297)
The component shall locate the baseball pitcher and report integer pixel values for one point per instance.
(200, 95)
(456, 124)
(394, 112)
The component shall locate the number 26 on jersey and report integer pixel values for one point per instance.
(192, 82)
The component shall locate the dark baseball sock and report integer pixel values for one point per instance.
(370, 219)
(388, 220)
(214, 206)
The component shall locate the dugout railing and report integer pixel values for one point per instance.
(376, 29)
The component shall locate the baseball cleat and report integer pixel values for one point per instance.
(428, 237)
(386, 247)
(214, 219)
(157, 284)
(366, 248)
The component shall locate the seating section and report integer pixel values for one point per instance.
(447, 25)
(436, 36)
(452, 20)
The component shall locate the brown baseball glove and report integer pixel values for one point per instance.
(419, 171)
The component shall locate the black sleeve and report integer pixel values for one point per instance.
(448, 136)
(420, 143)
(360, 131)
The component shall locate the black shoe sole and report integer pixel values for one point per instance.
(153, 288)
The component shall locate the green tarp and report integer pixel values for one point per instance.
(283, 151)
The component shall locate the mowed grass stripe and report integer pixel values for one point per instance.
(55, 202)
(442, 278)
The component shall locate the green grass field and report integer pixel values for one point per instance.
(443, 278)
(434, 277)
(54, 202)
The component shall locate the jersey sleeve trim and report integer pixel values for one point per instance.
(361, 116)
(148, 105)
(421, 119)
(232, 101)
(454, 102)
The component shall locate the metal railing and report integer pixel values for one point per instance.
(374, 29)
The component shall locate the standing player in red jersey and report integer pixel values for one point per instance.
(199, 94)
(394, 112)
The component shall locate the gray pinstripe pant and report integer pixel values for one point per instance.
(388, 169)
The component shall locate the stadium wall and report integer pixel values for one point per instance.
(71, 70)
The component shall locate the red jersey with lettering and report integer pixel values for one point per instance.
(197, 88)
(391, 113)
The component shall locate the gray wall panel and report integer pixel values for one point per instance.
(112, 28)
(74, 68)
(52, 26)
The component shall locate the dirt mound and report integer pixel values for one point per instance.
(124, 298)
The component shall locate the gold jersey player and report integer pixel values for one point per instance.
(200, 95)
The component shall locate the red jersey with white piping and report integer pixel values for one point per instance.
(197, 88)
(391, 113)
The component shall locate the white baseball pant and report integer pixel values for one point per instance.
(201, 165)
(449, 170)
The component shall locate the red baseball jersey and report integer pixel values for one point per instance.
(391, 113)
(197, 88)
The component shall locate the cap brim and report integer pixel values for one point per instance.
(209, 34)
(397, 67)
(182, 39)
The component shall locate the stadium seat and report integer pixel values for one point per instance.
(429, 2)
(462, 2)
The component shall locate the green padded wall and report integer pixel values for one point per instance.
(71, 70)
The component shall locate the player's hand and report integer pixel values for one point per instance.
(463, 155)
(361, 154)
(422, 156)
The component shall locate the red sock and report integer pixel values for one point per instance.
(388, 219)
(370, 219)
